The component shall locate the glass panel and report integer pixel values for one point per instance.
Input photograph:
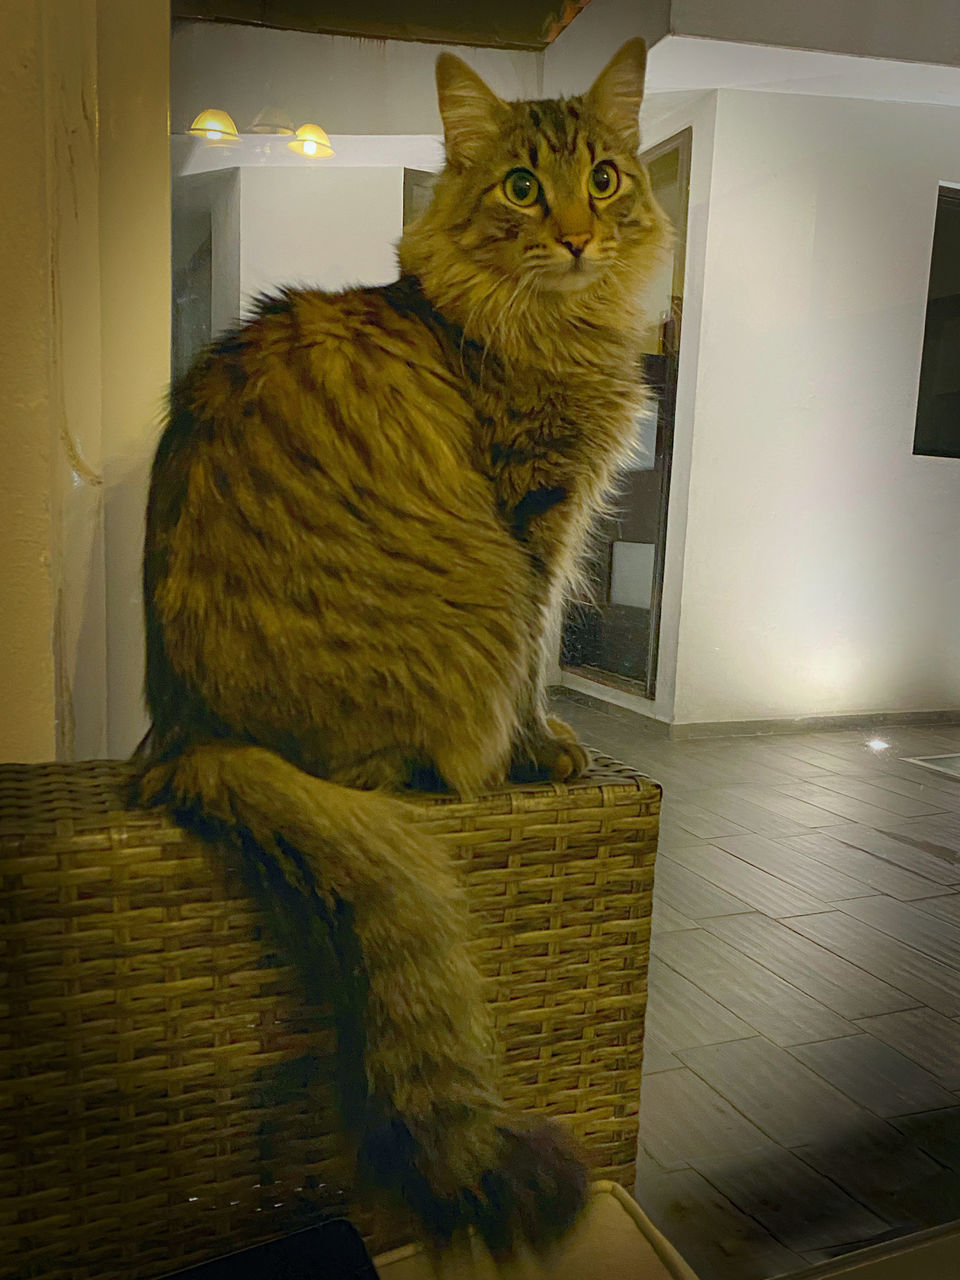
(631, 573)
(938, 401)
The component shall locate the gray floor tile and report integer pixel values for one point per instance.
(682, 1015)
(935, 835)
(682, 1119)
(746, 815)
(786, 1100)
(702, 824)
(713, 1236)
(881, 797)
(798, 1206)
(901, 852)
(846, 989)
(925, 1037)
(667, 920)
(833, 802)
(751, 992)
(885, 1171)
(875, 1075)
(946, 907)
(798, 811)
(879, 875)
(762, 891)
(937, 1133)
(656, 1055)
(893, 962)
(795, 868)
(808, 749)
(920, 784)
(924, 932)
(690, 894)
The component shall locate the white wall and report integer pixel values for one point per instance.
(215, 193)
(578, 55)
(347, 86)
(326, 228)
(821, 568)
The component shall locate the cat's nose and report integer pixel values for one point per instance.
(576, 243)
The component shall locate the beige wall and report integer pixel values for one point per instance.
(84, 343)
(26, 420)
(134, 61)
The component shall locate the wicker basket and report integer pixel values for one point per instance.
(165, 1094)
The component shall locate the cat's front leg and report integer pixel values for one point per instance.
(545, 748)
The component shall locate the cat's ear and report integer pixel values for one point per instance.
(618, 90)
(472, 113)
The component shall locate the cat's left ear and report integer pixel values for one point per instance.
(472, 113)
(618, 90)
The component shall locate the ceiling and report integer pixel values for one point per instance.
(679, 64)
(498, 24)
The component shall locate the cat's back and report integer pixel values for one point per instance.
(360, 373)
(329, 431)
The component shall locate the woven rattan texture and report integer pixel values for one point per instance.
(164, 1091)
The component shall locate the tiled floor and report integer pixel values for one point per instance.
(802, 1065)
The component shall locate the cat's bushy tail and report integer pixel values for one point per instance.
(432, 1129)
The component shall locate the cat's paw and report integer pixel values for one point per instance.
(514, 1181)
(551, 754)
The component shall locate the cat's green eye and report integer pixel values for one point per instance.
(521, 187)
(604, 180)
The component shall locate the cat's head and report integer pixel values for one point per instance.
(546, 199)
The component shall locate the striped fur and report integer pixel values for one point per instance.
(362, 511)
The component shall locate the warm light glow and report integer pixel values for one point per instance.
(311, 141)
(215, 126)
(878, 744)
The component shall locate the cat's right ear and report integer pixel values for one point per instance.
(472, 113)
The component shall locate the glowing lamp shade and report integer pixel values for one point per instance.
(215, 126)
(311, 141)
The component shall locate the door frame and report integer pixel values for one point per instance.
(682, 142)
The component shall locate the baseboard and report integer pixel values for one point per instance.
(628, 707)
(810, 724)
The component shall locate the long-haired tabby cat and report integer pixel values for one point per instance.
(363, 509)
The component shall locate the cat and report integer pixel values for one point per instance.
(363, 510)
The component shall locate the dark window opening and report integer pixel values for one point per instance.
(938, 402)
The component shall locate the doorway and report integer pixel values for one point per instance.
(611, 631)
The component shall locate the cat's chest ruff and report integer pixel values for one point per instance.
(548, 431)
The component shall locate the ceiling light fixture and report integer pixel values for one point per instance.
(215, 126)
(311, 141)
